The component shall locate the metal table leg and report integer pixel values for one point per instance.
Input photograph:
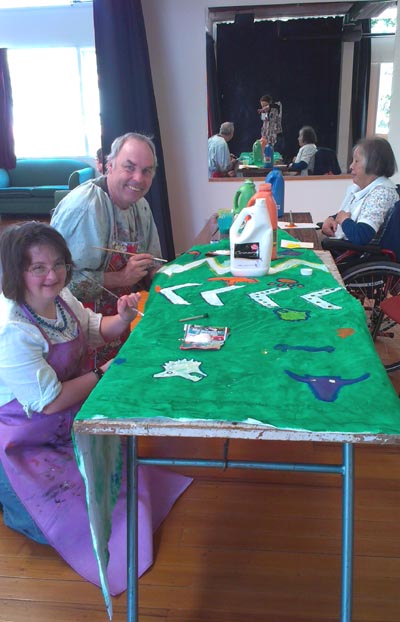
(347, 531)
(346, 470)
(132, 614)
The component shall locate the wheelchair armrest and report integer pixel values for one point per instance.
(332, 244)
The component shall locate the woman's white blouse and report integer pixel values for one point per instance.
(369, 205)
(25, 374)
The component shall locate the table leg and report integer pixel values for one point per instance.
(347, 531)
(347, 472)
(132, 613)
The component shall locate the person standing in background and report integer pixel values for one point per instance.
(271, 116)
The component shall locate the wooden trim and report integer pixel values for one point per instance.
(286, 178)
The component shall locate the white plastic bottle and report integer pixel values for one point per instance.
(251, 239)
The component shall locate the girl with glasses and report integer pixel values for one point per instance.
(45, 334)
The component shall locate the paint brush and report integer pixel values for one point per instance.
(291, 223)
(83, 273)
(113, 250)
(194, 317)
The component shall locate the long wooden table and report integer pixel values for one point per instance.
(259, 171)
(304, 235)
(210, 232)
(258, 402)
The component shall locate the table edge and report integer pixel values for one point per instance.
(223, 429)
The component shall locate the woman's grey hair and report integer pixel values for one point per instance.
(120, 141)
(379, 156)
(308, 134)
(227, 129)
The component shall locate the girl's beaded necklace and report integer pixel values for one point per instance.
(42, 322)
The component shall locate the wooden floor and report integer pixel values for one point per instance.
(239, 546)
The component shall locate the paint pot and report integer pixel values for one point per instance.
(243, 196)
(265, 192)
(275, 178)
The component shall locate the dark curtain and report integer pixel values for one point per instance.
(296, 62)
(7, 154)
(127, 102)
(361, 78)
(214, 119)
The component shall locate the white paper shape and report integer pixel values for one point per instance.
(183, 368)
(315, 298)
(263, 297)
(169, 293)
(211, 295)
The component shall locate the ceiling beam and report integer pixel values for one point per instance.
(367, 10)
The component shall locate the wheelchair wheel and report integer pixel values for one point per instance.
(371, 283)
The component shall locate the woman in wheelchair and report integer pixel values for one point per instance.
(364, 237)
(369, 198)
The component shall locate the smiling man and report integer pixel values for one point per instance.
(109, 228)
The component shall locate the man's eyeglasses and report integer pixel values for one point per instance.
(42, 270)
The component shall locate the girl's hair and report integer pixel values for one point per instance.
(15, 243)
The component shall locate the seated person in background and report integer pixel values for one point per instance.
(44, 333)
(304, 161)
(110, 212)
(221, 163)
(370, 197)
(99, 161)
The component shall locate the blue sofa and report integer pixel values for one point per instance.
(29, 188)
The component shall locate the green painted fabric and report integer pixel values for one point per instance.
(291, 364)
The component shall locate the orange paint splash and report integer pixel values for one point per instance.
(345, 332)
(231, 280)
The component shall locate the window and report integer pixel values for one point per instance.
(384, 97)
(55, 101)
(384, 24)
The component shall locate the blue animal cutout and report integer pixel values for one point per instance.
(325, 388)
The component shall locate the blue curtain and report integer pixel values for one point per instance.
(7, 154)
(214, 117)
(361, 78)
(296, 62)
(127, 102)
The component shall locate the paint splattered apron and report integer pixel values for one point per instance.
(106, 304)
(38, 457)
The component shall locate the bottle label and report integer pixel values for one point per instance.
(248, 250)
(244, 223)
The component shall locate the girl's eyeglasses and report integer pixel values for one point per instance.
(42, 270)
